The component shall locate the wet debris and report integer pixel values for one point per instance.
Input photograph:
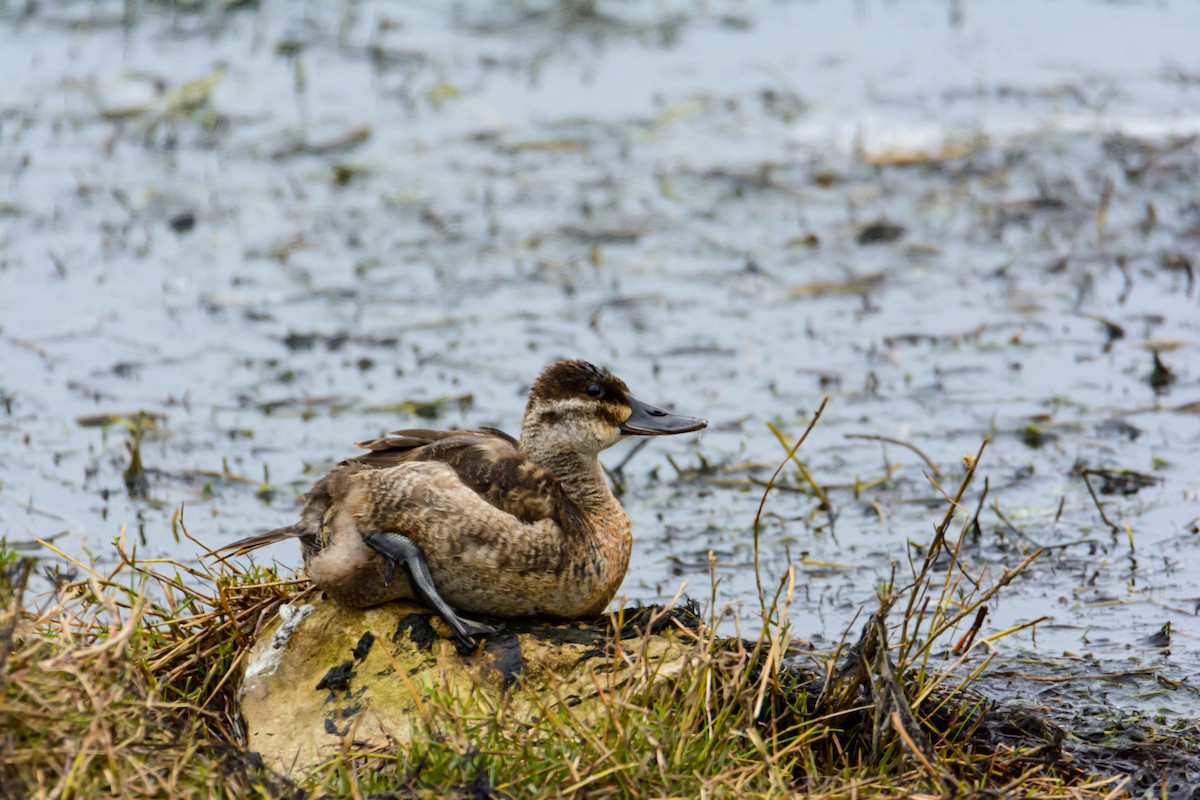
(182, 222)
(631, 306)
(306, 405)
(576, 18)
(156, 106)
(805, 240)
(1112, 330)
(384, 55)
(1154, 761)
(743, 181)
(879, 232)
(332, 145)
(561, 144)
(289, 48)
(281, 250)
(1058, 265)
(603, 236)
(935, 340)
(1106, 195)
(424, 409)
(142, 419)
(137, 483)
(14, 577)
(934, 156)
(1035, 436)
(1153, 155)
(298, 342)
(1161, 377)
(257, 315)
(1023, 211)
(127, 369)
(1161, 637)
(1122, 482)
(345, 174)
(856, 285)
(1115, 426)
(786, 104)
(1178, 262)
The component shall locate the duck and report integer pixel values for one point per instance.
(477, 522)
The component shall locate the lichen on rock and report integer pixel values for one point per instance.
(324, 678)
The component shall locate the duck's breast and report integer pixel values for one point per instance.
(482, 558)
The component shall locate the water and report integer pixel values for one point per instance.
(275, 226)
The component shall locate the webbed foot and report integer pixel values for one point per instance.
(400, 550)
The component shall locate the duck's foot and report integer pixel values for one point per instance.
(400, 550)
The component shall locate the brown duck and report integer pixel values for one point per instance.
(482, 522)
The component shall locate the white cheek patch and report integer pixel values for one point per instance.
(578, 408)
(573, 421)
(570, 405)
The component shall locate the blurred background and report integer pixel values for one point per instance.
(236, 237)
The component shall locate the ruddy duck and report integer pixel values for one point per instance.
(482, 522)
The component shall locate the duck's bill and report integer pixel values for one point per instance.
(648, 420)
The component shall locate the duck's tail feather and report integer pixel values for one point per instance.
(243, 546)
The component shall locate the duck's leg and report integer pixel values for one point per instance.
(398, 549)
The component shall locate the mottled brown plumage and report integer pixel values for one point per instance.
(507, 527)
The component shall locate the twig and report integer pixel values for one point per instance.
(1013, 528)
(939, 538)
(1091, 676)
(1136, 172)
(1106, 195)
(978, 508)
(619, 469)
(900, 442)
(762, 600)
(1099, 506)
(804, 473)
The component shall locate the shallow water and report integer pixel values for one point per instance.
(288, 227)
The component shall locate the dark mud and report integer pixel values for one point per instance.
(280, 228)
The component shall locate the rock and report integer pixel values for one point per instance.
(322, 674)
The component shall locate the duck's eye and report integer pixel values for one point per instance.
(594, 390)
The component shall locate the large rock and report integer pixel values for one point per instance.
(322, 676)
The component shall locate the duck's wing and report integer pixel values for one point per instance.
(398, 443)
(400, 446)
(487, 461)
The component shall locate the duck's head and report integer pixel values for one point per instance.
(575, 406)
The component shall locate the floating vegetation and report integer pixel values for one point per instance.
(1161, 377)
(432, 409)
(138, 424)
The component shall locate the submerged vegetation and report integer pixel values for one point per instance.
(126, 684)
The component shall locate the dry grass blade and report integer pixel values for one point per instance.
(86, 708)
(767, 491)
(901, 443)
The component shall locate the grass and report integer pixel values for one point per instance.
(125, 685)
